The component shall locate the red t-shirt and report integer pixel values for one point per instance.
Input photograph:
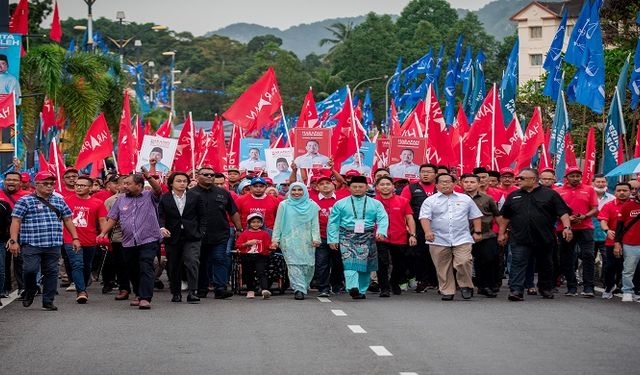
(17, 195)
(609, 213)
(267, 205)
(65, 192)
(325, 209)
(86, 213)
(628, 211)
(343, 192)
(102, 195)
(261, 247)
(581, 199)
(397, 208)
(428, 189)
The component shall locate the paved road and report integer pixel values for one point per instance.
(418, 333)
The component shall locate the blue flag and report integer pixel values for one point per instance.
(329, 107)
(466, 71)
(438, 68)
(612, 132)
(140, 93)
(449, 93)
(634, 83)
(559, 130)
(457, 55)
(577, 40)
(394, 86)
(425, 64)
(509, 85)
(479, 89)
(72, 47)
(367, 112)
(590, 90)
(554, 55)
(552, 86)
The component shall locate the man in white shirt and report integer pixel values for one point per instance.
(445, 219)
(357, 164)
(312, 159)
(406, 168)
(254, 162)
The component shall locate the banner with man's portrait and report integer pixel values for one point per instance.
(279, 164)
(156, 154)
(362, 162)
(252, 154)
(10, 47)
(312, 147)
(405, 156)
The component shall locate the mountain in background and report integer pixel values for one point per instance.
(303, 39)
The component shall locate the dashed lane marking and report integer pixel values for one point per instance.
(338, 313)
(381, 351)
(7, 301)
(356, 329)
(323, 299)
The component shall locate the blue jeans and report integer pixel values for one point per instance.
(631, 260)
(2, 270)
(221, 260)
(328, 268)
(521, 255)
(80, 265)
(36, 259)
(581, 245)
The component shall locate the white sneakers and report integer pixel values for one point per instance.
(266, 294)
(71, 288)
(628, 297)
(607, 295)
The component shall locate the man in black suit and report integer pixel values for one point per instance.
(183, 222)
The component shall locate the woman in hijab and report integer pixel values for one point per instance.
(297, 233)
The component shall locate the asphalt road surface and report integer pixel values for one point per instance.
(407, 334)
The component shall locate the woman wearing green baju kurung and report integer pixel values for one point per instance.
(352, 229)
(297, 233)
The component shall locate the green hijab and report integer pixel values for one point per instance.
(297, 210)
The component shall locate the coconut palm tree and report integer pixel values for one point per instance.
(340, 32)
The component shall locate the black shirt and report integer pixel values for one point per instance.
(5, 220)
(218, 203)
(533, 215)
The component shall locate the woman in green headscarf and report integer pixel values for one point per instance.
(297, 233)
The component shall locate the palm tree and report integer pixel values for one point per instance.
(82, 83)
(340, 33)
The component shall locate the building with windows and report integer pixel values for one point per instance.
(537, 24)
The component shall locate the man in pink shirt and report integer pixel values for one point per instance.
(583, 201)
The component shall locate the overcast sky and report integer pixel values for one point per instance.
(201, 16)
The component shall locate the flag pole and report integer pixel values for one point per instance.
(193, 145)
(115, 162)
(427, 114)
(57, 158)
(493, 126)
(286, 127)
(15, 127)
(353, 122)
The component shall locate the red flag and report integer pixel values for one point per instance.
(56, 163)
(233, 152)
(42, 162)
(395, 122)
(200, 145)
(148, 130)
(545, 158)
(438, 149)
(56, 29)
(97, 144)
(48, 115)
(216, 156)
(636, 152)
(96, 167)
(477, 144)
(308, 115)
(126, 143)
(570, 150)
(137, 128)
(412, 126)
(256, 105)
(533, 138)
(343, 139)
(508, 149)
(8, 110)
(19, 22)
(185, 153)
(589, 157)
(164, 130)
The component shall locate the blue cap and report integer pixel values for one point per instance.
(258, 180)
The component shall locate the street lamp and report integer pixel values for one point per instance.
(355, 88)
(173, 78)
(89, 23)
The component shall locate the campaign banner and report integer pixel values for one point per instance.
(252, 154)
(363, 162)
(405, 156)
(312, 147)
(157, 153)
(10, 47)
(382, 152)
(279, 164)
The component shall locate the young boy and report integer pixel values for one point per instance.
(253, 245)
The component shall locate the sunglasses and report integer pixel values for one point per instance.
(46, 183)
(207, 174)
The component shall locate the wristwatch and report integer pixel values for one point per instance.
(477, 232)
(75, 238)
(12, 241)
(412, 234)
(565, 228)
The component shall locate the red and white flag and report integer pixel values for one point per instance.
(395, 122)
(97, 144)
(56, 29)
(343, 138)
(127, 146)
(590, 158)
(48, 116)
(257, 104)
(532, 140)
(233, 152)
(216, 157)
(184, 160)
(19, 22)
(164, 130)
(308, 115)
(8, 110)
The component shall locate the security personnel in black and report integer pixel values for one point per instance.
(416, 193)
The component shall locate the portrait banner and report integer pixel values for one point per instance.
(312, 147)
(252, 154)
(365, 164)
(279, 164)
(158, 152)
(405, 156)
(10, 47)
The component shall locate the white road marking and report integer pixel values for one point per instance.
(7, 301)
(408, 373)
(356, 329)
(323, 299)
(381, 351)
(338, 313)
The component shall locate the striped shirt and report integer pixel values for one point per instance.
(138, 218)
(39, 225)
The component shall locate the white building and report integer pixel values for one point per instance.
(537, 24)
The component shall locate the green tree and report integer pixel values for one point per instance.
(340, 32)
(437, 12)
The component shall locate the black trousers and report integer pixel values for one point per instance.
(611, 269)
(141, 273)
(520, 256)
(16, 267)
(115, 268)
(396, 255)
(425, 270)
(254, 265)
(486, 262)
(185, 255)
(581, 245)
(329, 273)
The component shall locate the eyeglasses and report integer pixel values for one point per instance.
(46, 183)
(520, 178)
(207, 174)
(81, 186)
(445, 182)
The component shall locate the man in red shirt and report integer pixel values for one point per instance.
(68, 181)
(612, 266)
(12, 190)
(111, 187)
(25, 182)
(258, 201)
(87, 213)
(395, 245)
(583, 201)
(627, 244)
(329, 272)
(416, 193)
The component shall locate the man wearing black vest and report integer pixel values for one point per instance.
(416, 193)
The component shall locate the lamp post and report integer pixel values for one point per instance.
(120, 17)
(173, 78)
(89, 23)
(81, 28)
(355, 88)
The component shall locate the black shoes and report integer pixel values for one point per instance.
(202, 294)
(298, 295)
(158, 284)
(374, 287)
(487, 292)
(421, 287)
(447, 297)
(395, 289)
(354, 292)
(223, 294)
(192, 298)
(385, 294)
(546, 294)
(360, 296)
(49, 307)
(515, 297)
(467, 293)
(27, 299)
(176, 298)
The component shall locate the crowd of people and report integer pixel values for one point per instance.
(219, 233)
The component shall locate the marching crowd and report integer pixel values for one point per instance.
(337, 233)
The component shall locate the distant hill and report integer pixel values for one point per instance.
(303, 39)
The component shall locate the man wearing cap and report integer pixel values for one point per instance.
(548, 178)
(111, 187)
(220, 208)
(357, 164)
(416, 193)
(506, 186)
(8, 82)
(328, 273)
(258, 201)
(405, 168)
(312, 159)
(355, 224)
(583, 201)
(36, 232)
(234, 177)
(25, 182)
(253, 163)
(69, 180)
